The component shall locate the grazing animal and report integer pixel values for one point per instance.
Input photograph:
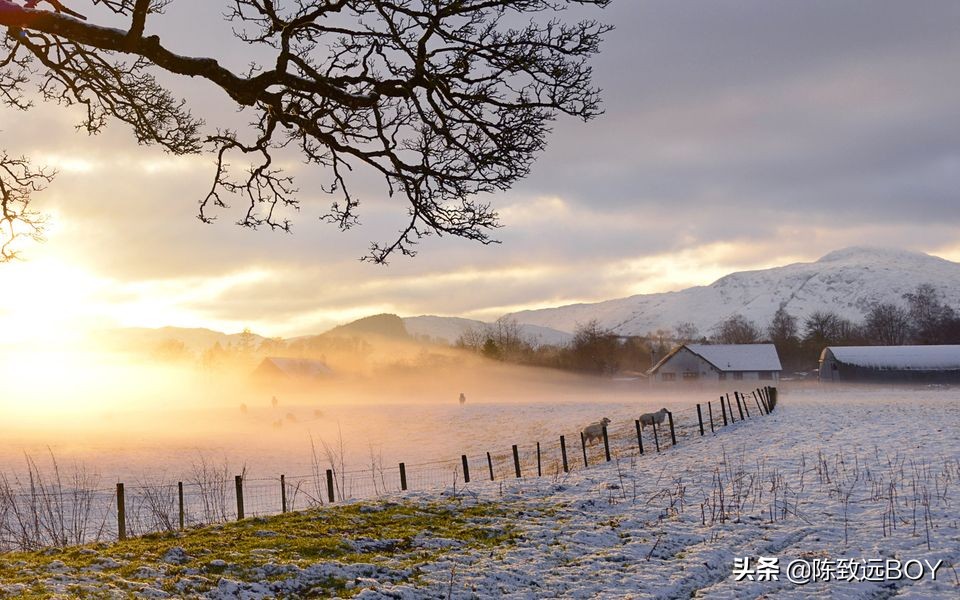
(594, 431)
(654, 417)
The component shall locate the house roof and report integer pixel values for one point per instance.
(295, 367)
(915, 358)
(732, 357)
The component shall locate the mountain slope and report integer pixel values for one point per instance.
(846, 281)
(194, 339)
(449, 329)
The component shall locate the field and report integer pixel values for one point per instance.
(833, 473)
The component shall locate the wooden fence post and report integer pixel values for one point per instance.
(746, 407)
(757, 400)
(403, 477)
(739, 405)
(656, 440)
(673, 434)
(516, 460)
(466, 468)
(733, 419)
(700, 419)
(180, 502)
(710, 410)
(283, 493)
(330, 496)
(238, 482)
(723, 409)
(121, 513)
(539, 467)
(563, 453)
(639, 437)
(490, 464)
(583, 444)
(606, 444)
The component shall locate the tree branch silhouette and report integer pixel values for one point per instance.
(445, 99)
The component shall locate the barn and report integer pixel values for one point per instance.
(277, 369)
(930, 364)
(717, 363)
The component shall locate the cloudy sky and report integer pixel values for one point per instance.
(737, 134)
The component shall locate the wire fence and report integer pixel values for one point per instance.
(42, 510)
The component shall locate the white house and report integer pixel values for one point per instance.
(718, 362)
(940, 364)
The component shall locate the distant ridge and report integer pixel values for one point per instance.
(846, 281)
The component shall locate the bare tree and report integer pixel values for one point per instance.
(929, 314)
(887, 324)
(783, 327)
(822, 328)
(444, 99)
(594, 349)
(737, 330)
(18, 182)
(685, 332)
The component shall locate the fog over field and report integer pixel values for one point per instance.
(124, 416)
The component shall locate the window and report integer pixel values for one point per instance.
(691, 376)
(668, 376)
(738, 375)
(766, 375)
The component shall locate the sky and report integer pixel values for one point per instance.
(736, 135)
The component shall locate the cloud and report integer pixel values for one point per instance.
(738, 134)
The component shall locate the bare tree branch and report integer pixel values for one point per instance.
(447, 100)
(18, 182)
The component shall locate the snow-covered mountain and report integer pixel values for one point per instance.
(449, 329)
(846, 281)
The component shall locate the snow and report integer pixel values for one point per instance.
(847, 281)
(739, 357)
(860, 473)
(920, 358)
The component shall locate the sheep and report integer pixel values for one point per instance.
(654, 417)
(594, 431)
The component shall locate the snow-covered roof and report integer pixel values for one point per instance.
(297, 367)
(919, 358)
(739, 357)
(733, 357)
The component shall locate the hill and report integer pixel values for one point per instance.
(449, 329)
(846, 281)
(194, 339)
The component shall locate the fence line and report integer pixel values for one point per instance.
(51, 513)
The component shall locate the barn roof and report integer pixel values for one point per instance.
(912, 358)
(294, 367)
(732, 357)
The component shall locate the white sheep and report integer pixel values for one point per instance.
(654, 417)
(594, 431)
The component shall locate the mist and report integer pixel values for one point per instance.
(131, 415)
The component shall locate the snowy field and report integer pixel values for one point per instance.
(869, 473)
(834, 474)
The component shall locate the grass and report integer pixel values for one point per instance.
(383, 534)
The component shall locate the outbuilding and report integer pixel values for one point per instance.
(278, 369)
(930, 364)
(718, 362)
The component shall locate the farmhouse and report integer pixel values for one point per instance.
(935, 364)
(276, 369)
(718, 362)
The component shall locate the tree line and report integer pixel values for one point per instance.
(923, 317)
